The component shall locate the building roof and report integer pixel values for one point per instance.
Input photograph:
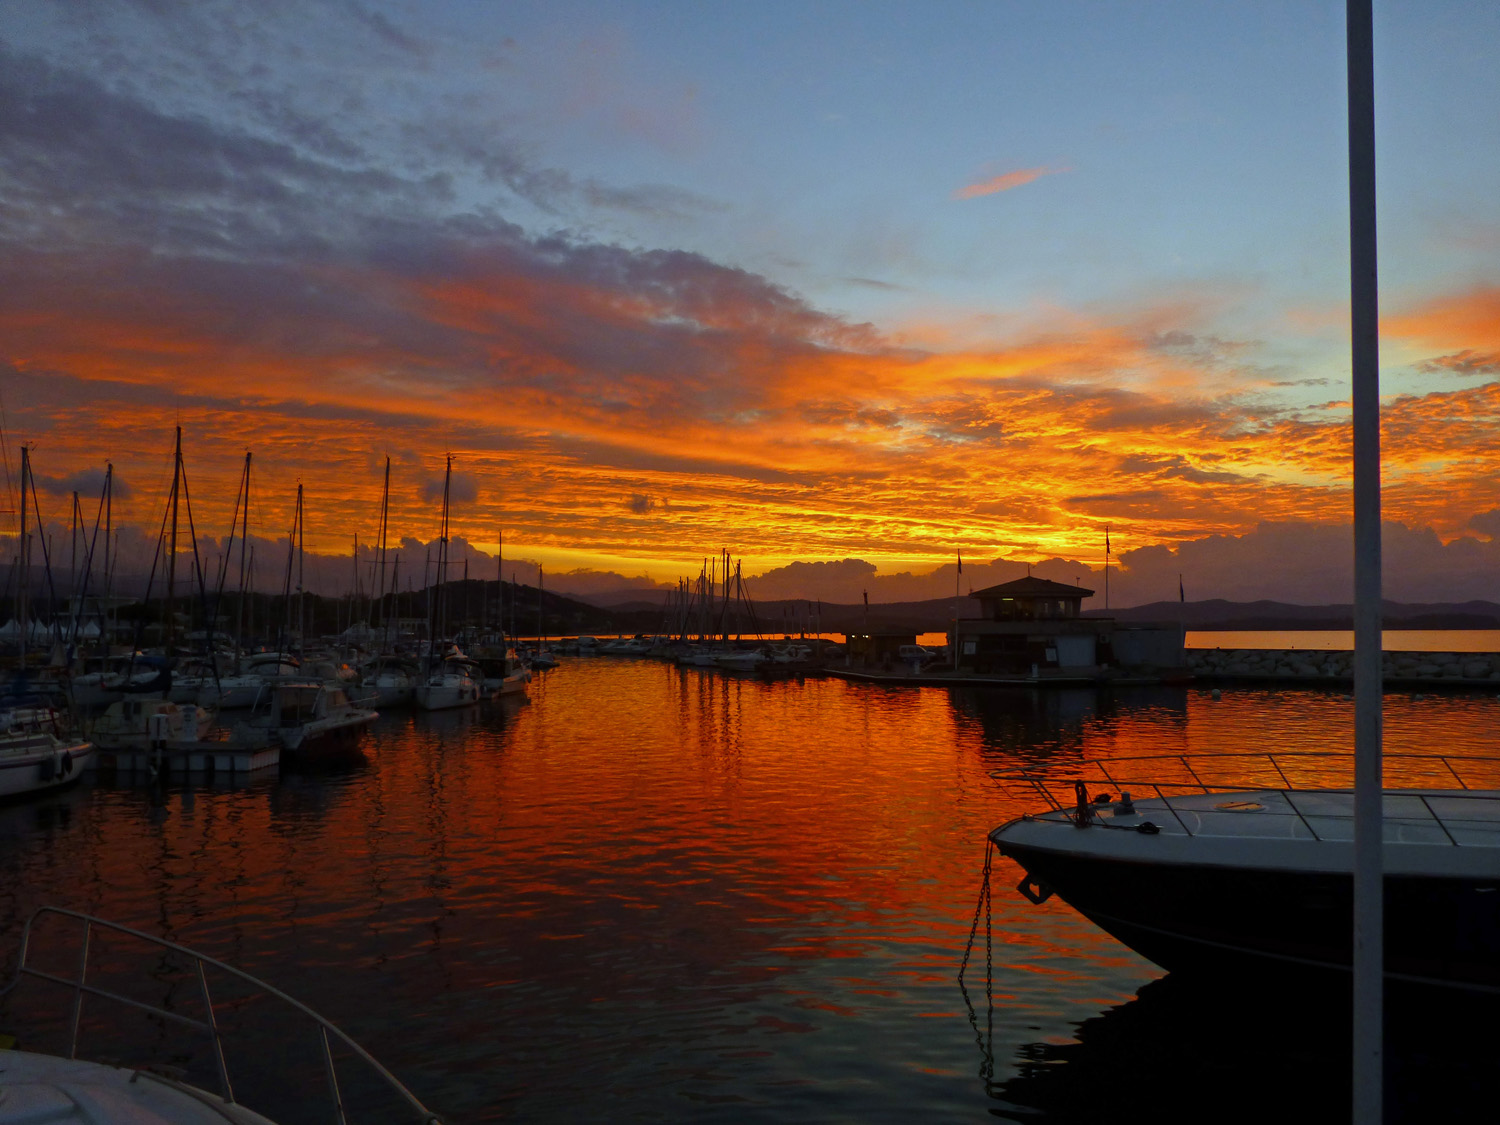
(1031, 587)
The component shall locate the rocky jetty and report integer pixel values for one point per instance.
(1435, 669)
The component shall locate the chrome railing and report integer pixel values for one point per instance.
(208, 1025)
(1423, 778)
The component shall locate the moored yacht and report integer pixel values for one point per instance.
(448, 684)
(138, 724)
(305, 718)
(1246, 861)
(504, 675)
(392, 680)
(740, 660)
(37, 753)
(256, 673)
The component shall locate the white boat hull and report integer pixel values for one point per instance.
(40, 763)
(443, 693)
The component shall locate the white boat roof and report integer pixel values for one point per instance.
(1430, 831)
(45, 1088)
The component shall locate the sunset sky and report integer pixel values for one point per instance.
(812, 282)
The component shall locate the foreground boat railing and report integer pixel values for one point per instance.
(208, 1025)
(1425, 778)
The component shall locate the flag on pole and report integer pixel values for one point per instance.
(1106, 539)
(867, 599)
(960, 560)
(1181, 596)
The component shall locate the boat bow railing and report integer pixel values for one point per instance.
(1420, 779)
(208, 1025)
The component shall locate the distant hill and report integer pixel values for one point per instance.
(1219, 614)
(643, 614)
(934, 615)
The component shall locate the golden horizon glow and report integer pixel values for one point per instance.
(858, 449)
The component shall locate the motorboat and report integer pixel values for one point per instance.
(146, 735)
(791, 654)
(540, 659)
(249, 684)
(504, 675)
(451, 683)
(740, 660)
(103, 682)
(306, 718)
(199, 679)
(66, 1088)
(392, 680)
(1245, 860)
(140, 724)
(37, 753)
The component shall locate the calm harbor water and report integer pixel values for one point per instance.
(652, 893)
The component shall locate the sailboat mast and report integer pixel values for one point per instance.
(442, 575)
(24, 608)
(385, 517)
(435, 606)
(395, 595)
(244, 546)
(73, 554)
(109, 574)
(286, 584)
(301, 588)
(172, 549)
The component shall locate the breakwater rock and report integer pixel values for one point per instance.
(1435, 669)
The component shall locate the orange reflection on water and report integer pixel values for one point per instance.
(655, 868)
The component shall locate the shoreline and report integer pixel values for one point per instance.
(1332, 667)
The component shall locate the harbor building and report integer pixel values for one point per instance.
(1036, 626)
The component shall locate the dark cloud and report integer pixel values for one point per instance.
(81, 164)
(965, 421)
(389, 33)
(87, 483)
(463, 489)
(1486, 523)
(1308, 564)
(1466, 362)
(640, 505)
(1178, 467)
(850, 414)
(1105, 503)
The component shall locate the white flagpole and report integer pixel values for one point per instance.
(1369, 919)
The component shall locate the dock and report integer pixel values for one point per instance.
(207, 757)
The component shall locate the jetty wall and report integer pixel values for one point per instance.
(1334, 666)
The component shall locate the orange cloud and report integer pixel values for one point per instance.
(1005, 181)
(569, 382)
(1469, 320)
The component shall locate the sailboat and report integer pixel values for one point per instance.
(447, 680)
(36, 752)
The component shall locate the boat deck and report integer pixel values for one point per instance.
(1433, 816)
